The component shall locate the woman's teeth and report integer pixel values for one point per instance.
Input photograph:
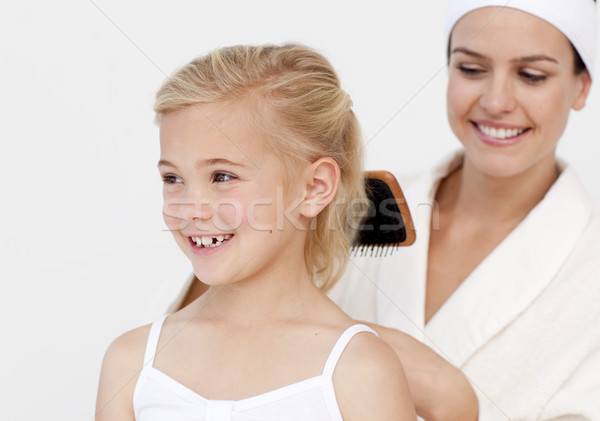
(499, 133)
(209, 241)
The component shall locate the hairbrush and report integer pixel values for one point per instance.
(388, 224)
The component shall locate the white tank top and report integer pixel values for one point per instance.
(158, 397)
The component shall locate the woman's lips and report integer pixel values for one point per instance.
(499, 135)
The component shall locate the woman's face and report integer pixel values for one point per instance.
(510, 90)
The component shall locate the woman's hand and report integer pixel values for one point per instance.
(439, 390)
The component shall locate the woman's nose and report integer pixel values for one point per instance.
(498, 96)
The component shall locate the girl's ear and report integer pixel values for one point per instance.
(323, 178)
(586, 83)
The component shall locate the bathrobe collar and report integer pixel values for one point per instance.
(504, 283)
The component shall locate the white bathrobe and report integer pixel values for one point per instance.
(524, 326)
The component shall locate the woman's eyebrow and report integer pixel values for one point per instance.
(526, 59)
(468, 52)
(539, 57)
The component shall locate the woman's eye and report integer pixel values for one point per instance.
(171, 179)
(531, 77)
(222, 177)
(470, 70)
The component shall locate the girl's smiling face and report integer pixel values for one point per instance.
(224, 198)
(510, 90)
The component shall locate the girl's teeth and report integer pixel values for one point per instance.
(211, 241)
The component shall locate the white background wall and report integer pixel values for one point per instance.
(81, 244)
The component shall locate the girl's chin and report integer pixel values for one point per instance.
(212, 281)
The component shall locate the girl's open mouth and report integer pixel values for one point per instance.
(207, 241)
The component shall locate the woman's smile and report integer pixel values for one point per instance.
(495, 134)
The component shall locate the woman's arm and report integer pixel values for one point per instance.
(370, 384)
(439, 390)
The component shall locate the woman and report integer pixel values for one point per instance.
(503, 280)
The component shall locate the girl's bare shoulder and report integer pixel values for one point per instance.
(122, 364)
(128, 349)
(369, 379)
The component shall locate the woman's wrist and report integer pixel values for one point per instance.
(440, 391)
(452, 398)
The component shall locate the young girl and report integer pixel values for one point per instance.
(260, 158)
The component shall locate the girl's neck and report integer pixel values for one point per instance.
(264, 299)
(495, 200)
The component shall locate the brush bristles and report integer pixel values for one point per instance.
(373, 250)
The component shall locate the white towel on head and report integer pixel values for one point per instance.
(576, 19)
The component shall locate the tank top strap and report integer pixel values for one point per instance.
(152, 344)
(341, 345)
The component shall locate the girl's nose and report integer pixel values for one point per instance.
(498, 96)
(187, 211)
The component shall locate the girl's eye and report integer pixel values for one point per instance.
(470, 70)
(222, 177)
(531, 77)
(171, 179)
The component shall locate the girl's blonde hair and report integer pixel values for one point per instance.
(303, 114)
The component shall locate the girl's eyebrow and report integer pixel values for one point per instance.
(526, 59)
(164, 162)
(218, 161)
(205, 162)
